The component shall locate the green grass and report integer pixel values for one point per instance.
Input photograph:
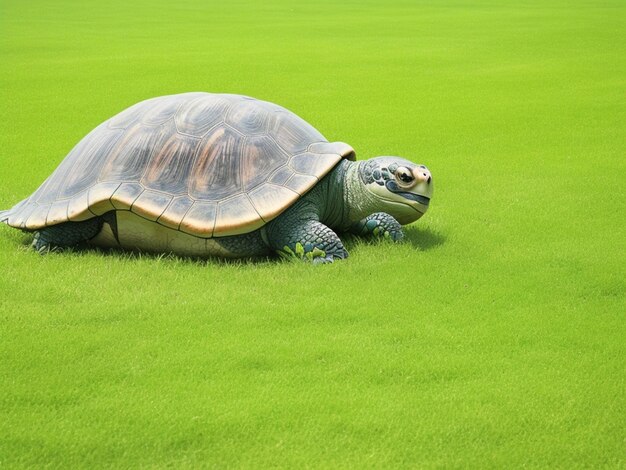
(493, 338)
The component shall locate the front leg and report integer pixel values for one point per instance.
(379, 224)
(308, 240)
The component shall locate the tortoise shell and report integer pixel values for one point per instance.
(209, 165)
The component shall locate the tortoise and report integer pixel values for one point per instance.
(224, 175)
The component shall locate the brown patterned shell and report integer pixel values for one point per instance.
(207, 164)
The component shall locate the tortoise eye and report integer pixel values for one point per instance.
(404, 176)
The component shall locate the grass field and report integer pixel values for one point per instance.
(494, 337)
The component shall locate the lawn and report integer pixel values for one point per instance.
(493, 337)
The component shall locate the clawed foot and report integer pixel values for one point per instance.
(330, 258)
(323, 260)
(313, 254)
(42, 246)
(391, 234)
(380, 225)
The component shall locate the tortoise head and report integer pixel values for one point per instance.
(403, 188)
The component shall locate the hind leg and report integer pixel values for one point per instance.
(65, 235)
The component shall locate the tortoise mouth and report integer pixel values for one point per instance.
(423, 200)
(394, 188)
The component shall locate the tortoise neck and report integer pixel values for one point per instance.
(357, 200)
(346, 200)
(332, 209)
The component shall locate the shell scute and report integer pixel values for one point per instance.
(174, 213)
(281, 175)
(78, 208)
(170, 165)
(99, 197)
(80, 168)
(130, 158)
(215, 173)
(200, 219)
(235, 216)
(301, 183)
(88, 161)
(151, 204)
(312, 164)
(161, 110)
(293, 134)
(268, 198)
(57, 212)
(261, 157)
(22, 216)
(37, 217)
(128, 117)
(249, 118)
(197, 116)
(126, 195)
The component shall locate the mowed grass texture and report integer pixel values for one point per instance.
(494, 337)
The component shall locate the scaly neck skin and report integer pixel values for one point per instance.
(347, 200)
